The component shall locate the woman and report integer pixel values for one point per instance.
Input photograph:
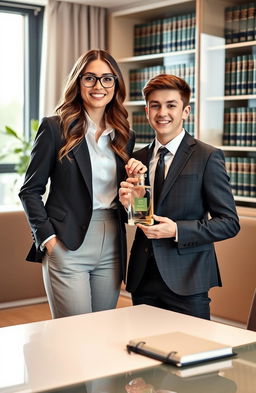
(79, 234)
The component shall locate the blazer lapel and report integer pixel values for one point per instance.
(82, 156)
(120, 170)
(179, 161)
(145, 159)
(149, 153)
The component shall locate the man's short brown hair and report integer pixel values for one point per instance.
(167, 81)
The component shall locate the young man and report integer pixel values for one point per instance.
(173, 263)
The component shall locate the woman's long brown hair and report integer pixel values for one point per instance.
(73, 121)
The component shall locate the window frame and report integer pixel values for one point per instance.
(33, 54)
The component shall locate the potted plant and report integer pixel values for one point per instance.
(20, 147)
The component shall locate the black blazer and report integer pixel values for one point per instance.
(196, 186)
(68, 209)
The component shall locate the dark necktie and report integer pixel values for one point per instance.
(159, 173)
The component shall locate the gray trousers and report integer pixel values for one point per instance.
(87, 279)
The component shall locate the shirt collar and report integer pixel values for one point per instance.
(92, 127)
(172, 146)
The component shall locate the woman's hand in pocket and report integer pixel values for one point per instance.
(51, 244)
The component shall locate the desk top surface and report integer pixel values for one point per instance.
(42, 356)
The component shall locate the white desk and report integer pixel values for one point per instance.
(44, 355)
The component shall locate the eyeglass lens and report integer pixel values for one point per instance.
(105, 80)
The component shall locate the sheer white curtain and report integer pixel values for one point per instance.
(70, 29)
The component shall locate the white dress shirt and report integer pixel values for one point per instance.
(172, 146)
(103, 164)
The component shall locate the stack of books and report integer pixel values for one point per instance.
(165, 35)
(242, 173)
(240, 23)
(144, 133)
(179, 33)
(189, 124)
(139, 77)
(148, 38)
(185, 71)
(240, 75)
(239, 126)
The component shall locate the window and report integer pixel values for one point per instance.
(20, 48)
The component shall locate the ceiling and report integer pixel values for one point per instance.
(109, 3)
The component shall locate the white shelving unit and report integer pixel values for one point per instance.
(209, 56)
(213, 100)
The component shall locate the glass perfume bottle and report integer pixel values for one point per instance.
(140, 208)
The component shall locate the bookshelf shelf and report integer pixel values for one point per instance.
(152, 57)
(237, 148)
(142, 103)
(244, 199)
(135, 103)
(233, 98)
(232, 46)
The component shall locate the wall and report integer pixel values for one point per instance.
(237, 261)
(18, 279)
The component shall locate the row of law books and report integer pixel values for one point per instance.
(165, 35)
(189, 123)
(239, 126)
(242, 173)
(145, 134)
(240, 23)
(240, 75)
(139, 77)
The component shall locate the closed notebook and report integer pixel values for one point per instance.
(209, 367)
(179, 348)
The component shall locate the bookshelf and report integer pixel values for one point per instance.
(171, 17)
(228, 90)
(223, 50)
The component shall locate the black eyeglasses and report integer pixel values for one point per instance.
(106, 81)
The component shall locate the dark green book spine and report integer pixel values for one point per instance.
(228, 24)
(253, 177)
(251, 21)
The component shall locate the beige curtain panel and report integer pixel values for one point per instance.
(70, 29)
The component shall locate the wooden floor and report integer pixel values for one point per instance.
(37, 312)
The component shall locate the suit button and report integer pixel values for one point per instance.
(146, 249)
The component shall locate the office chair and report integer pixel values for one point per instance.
(251, 322)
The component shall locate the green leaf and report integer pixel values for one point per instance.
(34, 125)
(11, 132)
(17, 150)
